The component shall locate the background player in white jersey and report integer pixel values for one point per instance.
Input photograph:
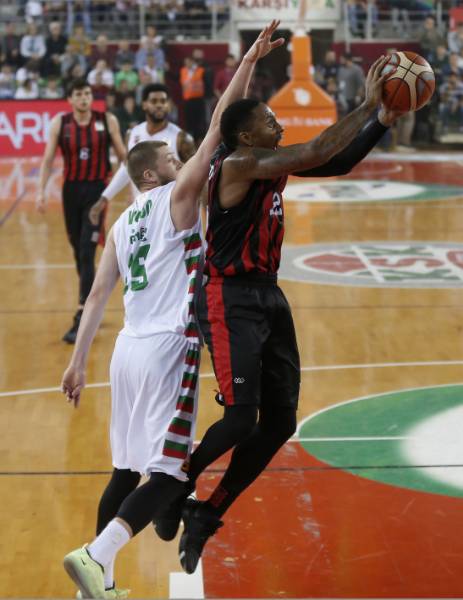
(155, 246)
(156, 103)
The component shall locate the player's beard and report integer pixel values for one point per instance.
(154, 119)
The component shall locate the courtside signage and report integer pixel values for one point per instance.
(25, 124)
(376, 264)
(256, 11)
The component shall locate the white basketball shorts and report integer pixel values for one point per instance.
(154, 389)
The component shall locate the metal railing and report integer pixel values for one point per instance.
(392, 23)
(116, 19)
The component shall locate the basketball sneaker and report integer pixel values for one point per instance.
(111, 594)
(86, 573)
(167, 523)
(71, 334)
(200, 525)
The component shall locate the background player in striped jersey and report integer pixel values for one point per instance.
(84, 137)
(156, 103)
(244, 316)
(155, 246)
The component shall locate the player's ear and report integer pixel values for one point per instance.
(245, 138)
(150, 176)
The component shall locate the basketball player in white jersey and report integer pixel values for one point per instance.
(155, 247)
(157, 127)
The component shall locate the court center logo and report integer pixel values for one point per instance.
(352, 190)
(376, 264)
(407, 438)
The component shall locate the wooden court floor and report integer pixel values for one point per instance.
(366, 503)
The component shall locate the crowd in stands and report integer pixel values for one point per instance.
(38, 63)
(344, 79)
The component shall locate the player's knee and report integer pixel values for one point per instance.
(240, 421)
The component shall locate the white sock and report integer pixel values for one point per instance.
(109, 576)
(104, 548)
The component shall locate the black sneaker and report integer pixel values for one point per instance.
(70, 336)
(200, 525)
(167, 523)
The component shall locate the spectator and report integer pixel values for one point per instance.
(27, 90)
(101, 75)
(451, 94)
(80, 42)
(9, 49)
(430, 38)
(453, 66)
(83, 14)
(124, 55)
(32, 44)
(151, 36)
(194, 103)
(170, 19)
(31, 70)
(52, 90)
(351, 82)
(224, 75)
(127, 74)
(124, 91)
(56, 47)
(70, 59)
(197, 17)
(7, 82)
(455, 39)
(75, 72)
(147, 47)
(129, 115)
(328, 70)
(101, 51)
(332, 89)
(208, 78)
(110, 102)
(357, 15)
(33, 11)
(151, 73)
(262, 85)
(440, 64)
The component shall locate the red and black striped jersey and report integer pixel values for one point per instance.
(85, 149)
(246, 238)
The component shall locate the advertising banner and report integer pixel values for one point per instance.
(258, 12)
(24, 125)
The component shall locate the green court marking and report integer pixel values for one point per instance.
(365, 190)
(371, 437)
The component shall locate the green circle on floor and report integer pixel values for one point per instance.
(408, 438)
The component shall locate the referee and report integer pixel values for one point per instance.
(84, 137)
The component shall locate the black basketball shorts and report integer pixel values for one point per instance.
(248, 327)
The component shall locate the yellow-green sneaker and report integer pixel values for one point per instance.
(86, 573)
(111, 594)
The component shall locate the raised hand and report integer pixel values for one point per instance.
(374, 82)
(263, 44)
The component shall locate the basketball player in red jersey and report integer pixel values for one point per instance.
(84, 137)
(244, 316)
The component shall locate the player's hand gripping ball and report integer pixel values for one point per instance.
(411, 83)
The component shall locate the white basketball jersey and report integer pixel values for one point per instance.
(168, 135)
(160, 267)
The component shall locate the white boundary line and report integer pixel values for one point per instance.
(182, 585)
(435, 363)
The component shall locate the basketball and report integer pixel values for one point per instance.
(411, 83)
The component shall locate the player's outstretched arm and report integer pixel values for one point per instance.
(370, 134)
(47, 162)
(193, 175)
(252, 163)
(105, 280)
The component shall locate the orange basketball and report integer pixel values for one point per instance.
(411, 83)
